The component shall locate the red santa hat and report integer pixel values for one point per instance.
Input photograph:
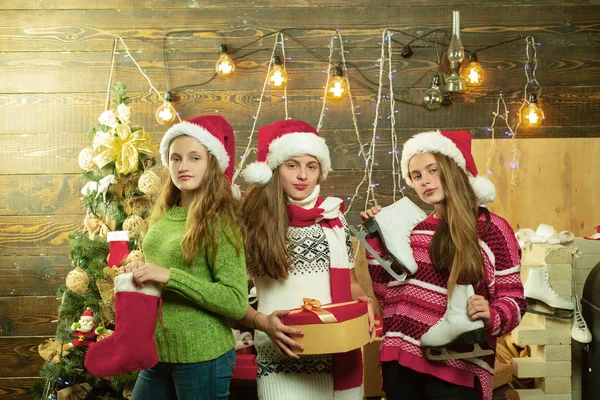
(457, 146)
(87, 314)
(213, 131)
(280, 141)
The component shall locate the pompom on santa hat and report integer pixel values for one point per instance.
(280, 141)
(212, 131)
(457, 146)
(87, 314)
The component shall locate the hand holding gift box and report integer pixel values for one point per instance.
(329, 329)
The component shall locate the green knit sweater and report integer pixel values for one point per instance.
(197, 296)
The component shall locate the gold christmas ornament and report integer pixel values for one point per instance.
(135, 255)
(78, 281)
(149, 183)
(122, 146)
(86, 159)
(135, 225)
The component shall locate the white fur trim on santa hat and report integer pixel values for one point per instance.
(124, 283)
(257, 173)
(212, 144)
(298, 144)
(429, 142)
(484, 189)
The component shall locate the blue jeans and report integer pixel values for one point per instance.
(206, 380)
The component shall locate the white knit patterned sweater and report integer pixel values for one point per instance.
(310, 377)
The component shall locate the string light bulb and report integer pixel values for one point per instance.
(277, 76)
(473, 73)
(532, 114)
(165, 114)
(225, 66)
(456, 54)
(337, 90)
(432, 98)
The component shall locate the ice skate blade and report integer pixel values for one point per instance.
(554, 313)
(446, 354)
(386, 264)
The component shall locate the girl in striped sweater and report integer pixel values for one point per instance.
(458, 245)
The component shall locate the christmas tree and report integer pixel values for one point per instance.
(118, 190)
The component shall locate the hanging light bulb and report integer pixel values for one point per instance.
(474, 72)
(165, 114)
(456, 53)
(337, 90)
(277, 76)
(225, 67)
(532, 114)
(433, 96)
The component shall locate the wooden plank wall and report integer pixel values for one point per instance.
(54, 68)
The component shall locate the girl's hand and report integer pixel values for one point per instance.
(150, 273)
(132, 266)
(279, 332)
(370, 213)
(478, 308)
(371, 315)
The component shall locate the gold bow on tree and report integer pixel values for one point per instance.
(122, 146)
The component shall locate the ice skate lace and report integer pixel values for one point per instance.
(579, 321)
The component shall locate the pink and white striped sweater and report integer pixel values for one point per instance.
(411, 307)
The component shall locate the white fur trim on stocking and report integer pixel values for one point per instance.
(299, 144)
(124, 283)
(484, 189)
(212, 144)
(257, 173)
(117, 236)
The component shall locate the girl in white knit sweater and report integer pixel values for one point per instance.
(297, 246)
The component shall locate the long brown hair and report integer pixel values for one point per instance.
(265, 215)
(455, 244)
(213, 211)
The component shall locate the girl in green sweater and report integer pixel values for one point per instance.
(194, 248)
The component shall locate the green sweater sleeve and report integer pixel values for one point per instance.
(228, 294)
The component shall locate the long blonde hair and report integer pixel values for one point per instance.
(213, 211)
(265, 215)
(455, 244)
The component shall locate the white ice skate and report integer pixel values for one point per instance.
(538, 292)
(455, 328)
(579, 331)
(393, 224)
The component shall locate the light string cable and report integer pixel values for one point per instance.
(396, 176)
(503, 116)
(114, 51)
(354, 120)
(370, 159)
(248, 149)
(329, 64)
(530, 65)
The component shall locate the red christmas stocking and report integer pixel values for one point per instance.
(118, 242)
(132, 347)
